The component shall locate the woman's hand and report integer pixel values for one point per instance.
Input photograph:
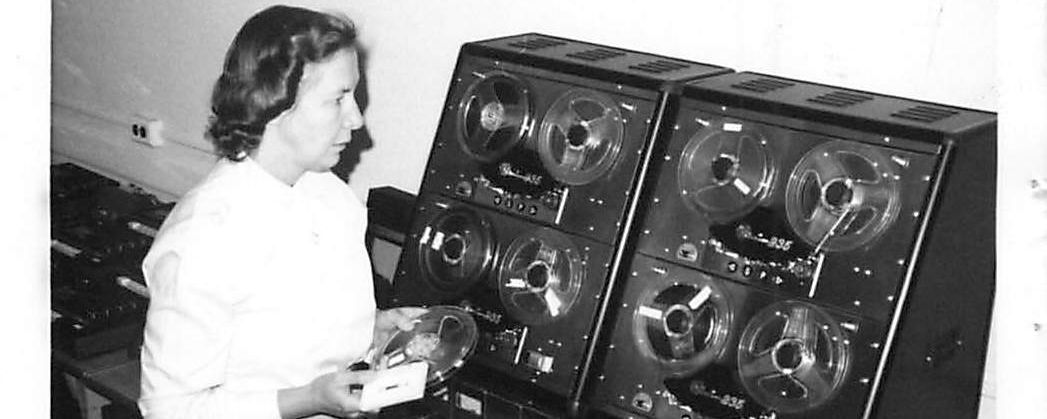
(336, 393)
(387, 322)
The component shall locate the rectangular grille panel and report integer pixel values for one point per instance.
(596, 54)
(537, 43)
(659, 66)
(924, 113)
(840, 99)
(762, 85)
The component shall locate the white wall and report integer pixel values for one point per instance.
(115, 58)
(1021, 315)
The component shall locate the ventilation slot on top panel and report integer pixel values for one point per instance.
(925, 113)
(762, 85)
(659, 66)
(840, 99)
(537, 43)
(596, 54)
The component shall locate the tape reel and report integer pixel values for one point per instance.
(683, 325)
(725, 170)
(494, 114)
(456, 249)
(841, 195)
(793, 357)
(581, 136)
(540, 277)
(444, 337)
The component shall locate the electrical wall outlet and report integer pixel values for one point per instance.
(147, 130)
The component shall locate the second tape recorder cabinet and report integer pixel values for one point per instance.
(809, 252)
(531, 172)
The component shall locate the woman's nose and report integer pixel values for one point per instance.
(353, 118)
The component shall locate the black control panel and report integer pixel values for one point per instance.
(100, 232)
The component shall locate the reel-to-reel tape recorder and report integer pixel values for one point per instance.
(521, 207)
(551, 130)
(808, 252)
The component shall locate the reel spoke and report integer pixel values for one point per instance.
(828, 166)
(716, 193)
(682, 345)
(483, 137)
(516, 279)
(697, 304)
(468, 261)
(820, 223)
(547, 253)
(574, 158)
(601, 128)
(486, 94)
(512, 115)
(753, 164)
(876, 195)
(812, 380)
(798, 326)
(759, 367)
(568, 119)
(694, 168)
(553, 301)
(743, 188)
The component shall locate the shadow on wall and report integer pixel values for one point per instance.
(361, 138)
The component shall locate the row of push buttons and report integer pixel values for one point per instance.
(748, 271)
(519, 206)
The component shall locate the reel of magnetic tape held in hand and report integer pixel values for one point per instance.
(444, 337)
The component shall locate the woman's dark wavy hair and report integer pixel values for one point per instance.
(263, 68)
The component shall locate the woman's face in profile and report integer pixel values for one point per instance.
(317, 128)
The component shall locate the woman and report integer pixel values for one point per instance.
(261, 292)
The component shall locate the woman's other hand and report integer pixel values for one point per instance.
(387, 322)
(336, 393)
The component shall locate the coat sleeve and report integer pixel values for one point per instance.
(191, 273)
